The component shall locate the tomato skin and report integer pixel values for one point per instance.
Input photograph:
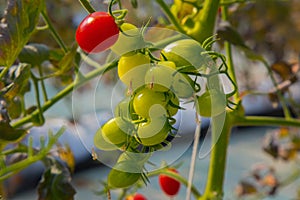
(132, 68)
(169, 185)
(97, 32)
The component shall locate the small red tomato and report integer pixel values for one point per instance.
(168, 184)
(97, 32)
(136, 197)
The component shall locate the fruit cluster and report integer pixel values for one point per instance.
(144, 120)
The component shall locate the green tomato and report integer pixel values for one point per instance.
(129, 40)
(160, 77)
(138, 158)
(117, 130)
(123, 175)
(211, 103)
(102, 144)
(132, 68)
(149, 103)
(153, 132)
(183, 86)
(186, 52)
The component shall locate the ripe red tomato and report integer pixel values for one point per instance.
(136, 197)
(97, 32)
(169, 185)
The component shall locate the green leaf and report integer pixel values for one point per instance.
(55, 183)
(34, 54)
(67, 62)
(20, 85)
(8, 134)
(19, 22)
(226, 32)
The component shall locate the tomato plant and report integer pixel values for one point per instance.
(169, 185)
(97, 32)
(188, 65)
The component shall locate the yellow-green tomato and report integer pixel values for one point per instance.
(160, 76)
(116, 130)
(149, 103)
(186, 52)
(211, 103)
(102, 144)
(132, 68)
(153, 132)
(123, 175)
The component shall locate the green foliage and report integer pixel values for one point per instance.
(18, 24)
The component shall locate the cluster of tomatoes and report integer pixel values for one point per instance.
(143, 120)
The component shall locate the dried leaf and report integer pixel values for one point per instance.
(19, 22)
(283, 69)
(67, 156)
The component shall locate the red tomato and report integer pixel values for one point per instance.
(97, 31)
(169, 185)
(136, 197)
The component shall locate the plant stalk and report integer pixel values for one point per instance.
(217, 165)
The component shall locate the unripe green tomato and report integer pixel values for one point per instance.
(129, 40)
(116, 130)
(211, 103)
(138, 158)
(149, 103)
(183, 86)
(160, 77)
(132, 68)
(153, 132)
(102, 144)
(119, 177)
(186, 52)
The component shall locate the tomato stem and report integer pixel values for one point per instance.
(217, 164)
(170, 15)
(53, 31)
(228, 50)
(87, 6)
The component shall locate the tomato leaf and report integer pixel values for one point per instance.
(55, 183)
(20, 85)
(34, 54)
(9, 134)
(226, 32)
(16, 27)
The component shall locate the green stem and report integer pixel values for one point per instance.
(217, 165)
(16, 167)
(53, 31)
(265, 121)
(64, 93)
(205, 21)
(87, 6)
(176, 176)
(170, 15)
(41, 74)
(228, 50)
